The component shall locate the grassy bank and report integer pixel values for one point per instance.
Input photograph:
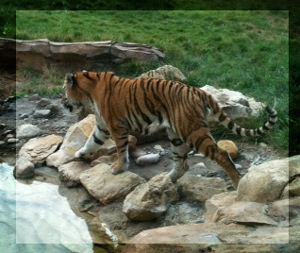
(245, 51)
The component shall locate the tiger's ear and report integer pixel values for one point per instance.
(69, 80)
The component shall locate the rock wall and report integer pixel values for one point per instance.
(41, 54)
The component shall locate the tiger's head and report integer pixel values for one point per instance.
(77, 91)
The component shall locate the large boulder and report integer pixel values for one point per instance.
(234, 103)
(198, 188)
(166, 72)
(70, 172)
(211, 237)
(293, 188)
(106, 187)
(217, 201)
(149, 200)
(37, 150)
(285, 211)
(244, 212)
(264, 183)
(24, 168)
(75, 138)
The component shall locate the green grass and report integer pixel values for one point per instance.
(44, 83)
(245, 51)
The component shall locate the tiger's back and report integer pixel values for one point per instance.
(124, 105)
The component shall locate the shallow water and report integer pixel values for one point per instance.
(36, 218)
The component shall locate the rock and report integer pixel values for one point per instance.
(34, 97)
(263, 145)
(40, 54)
(294, 166)
(43, 102)
(53, 108)
(9, 136)
(45, 113)
(38, 149)
(200, 166)
(285, 211)
(75, 138)
(217, 201)
(183, 213)
(70, 172)
(12, 140)
(198, 188)
(136, 52)
(106, 187)
(234, 103)
(151, 199)
(230, 147)
(264, 183)
(147, 159)
(159, 149)
(294, 187)
(293, 212)
(6, 132)
(245, 212)
(166, 72)
(28, 131)
(24, 168)
(211, 237)
(105, 159)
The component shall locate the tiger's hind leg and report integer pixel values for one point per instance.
(120, 138)
(99, 135)
(201, 141)
(180, 154)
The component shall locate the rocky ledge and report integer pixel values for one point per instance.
(40, 54)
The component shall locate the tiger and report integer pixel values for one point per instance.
(146, 105)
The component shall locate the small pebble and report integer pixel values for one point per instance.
(263, 145)
(7, 132)
(42, 113)
(148, 159)
(12, 140)
(9, 136)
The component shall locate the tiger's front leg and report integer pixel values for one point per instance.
(99, 135)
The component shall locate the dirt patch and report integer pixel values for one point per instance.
(8, 85)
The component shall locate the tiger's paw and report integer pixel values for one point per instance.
(116, 168)
(79, 154)
(82, 153)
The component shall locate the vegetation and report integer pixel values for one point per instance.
(245, 51)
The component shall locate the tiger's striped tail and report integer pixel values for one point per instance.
(229, 124)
